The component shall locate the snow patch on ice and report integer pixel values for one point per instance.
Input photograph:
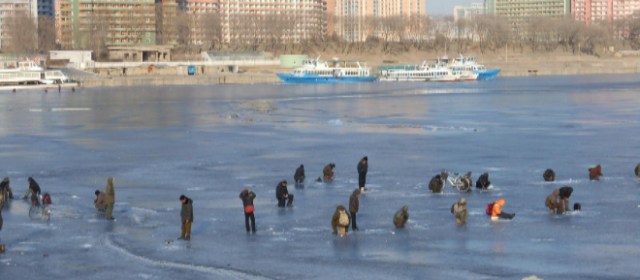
(336, 122)
(86, 246)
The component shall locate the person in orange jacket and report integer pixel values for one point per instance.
(497, 211)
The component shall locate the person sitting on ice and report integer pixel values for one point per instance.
(282, 194)
(101, 201)
(483, 182)
(436, 184)
(549, 175)
(495, 210)
(595, 172)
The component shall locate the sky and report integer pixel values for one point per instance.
(445, 7)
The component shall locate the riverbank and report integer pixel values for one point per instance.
(511, 65)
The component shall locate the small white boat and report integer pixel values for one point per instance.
(466, 64)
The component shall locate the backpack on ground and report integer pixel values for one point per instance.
(46, 199)
(489, 209)
(343, 220)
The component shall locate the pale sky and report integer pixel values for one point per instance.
(445, 7)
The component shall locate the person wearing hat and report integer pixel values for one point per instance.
(497, 213)
(101, 201)
(363, 167)
(354, 206)
(282, 194)
(459, 210)
(299, 176)
(186, 213)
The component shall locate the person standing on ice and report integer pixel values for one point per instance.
(354, 206)
(298, 177)
(186, 214)
(34, 191)
(110, 198)
(247, 197)
(363, 167)
(496, 211)
(282, 194)
(5, 188)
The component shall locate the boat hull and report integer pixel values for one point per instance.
(488, 74)
(315, 79)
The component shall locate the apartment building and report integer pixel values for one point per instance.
(117, 22)
(467, 11)
(608, 11)
(349, 16)
(10, 8)
(46, 8)
(519, 11)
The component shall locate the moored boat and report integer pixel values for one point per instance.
(471, 64)
(317, 71)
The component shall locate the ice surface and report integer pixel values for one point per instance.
(211, 142)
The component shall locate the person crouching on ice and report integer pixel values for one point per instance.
(401, 217)
(186, 213)
(459, 210)
(101, 201)
(496, 211)
(555, 206)
(340, 221)
(282, 194)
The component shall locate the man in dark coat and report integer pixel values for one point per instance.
(549, 175)
(637, 171)
(363, 167)
(34, 191)
(186, 213)
(354, 206)
(298, 177)
(282, 194)
(247, 197)
(483, 181)
(436, 184)
(565, 194)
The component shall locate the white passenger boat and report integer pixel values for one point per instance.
(435, 71)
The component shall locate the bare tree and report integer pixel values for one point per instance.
(21, 34)
(211, 26)
(46, 34)
(95, 35)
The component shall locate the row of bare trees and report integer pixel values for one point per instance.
(279, 34)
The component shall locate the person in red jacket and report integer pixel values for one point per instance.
(247, 197)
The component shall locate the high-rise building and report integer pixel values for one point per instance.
(350, 16)
(117, 22)
(519, 11)
(46, 8)
(467, 11)
(590, 11)
(10, 8)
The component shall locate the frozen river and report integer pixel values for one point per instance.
(210, 142)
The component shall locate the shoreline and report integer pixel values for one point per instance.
(513, 66)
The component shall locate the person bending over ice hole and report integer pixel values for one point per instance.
(401, 217)
(282, 194)
(327, 173)
(34, 191)
(549, 175)
(595, 172)
(483, 182)
(459, 211)
(363, 167)
(436, 184)
(354, 206)
(564, 195)
(495, 210)
(552, 202)
(298, 177)
(186, 214)
(247, 197)
(340, 221)
(101, 201)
